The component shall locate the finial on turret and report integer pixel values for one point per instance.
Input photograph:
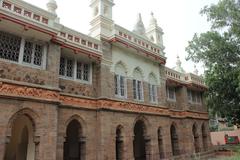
(153, 20)
(179, 67)
(195, 70)
(139, 26)
(52, 6)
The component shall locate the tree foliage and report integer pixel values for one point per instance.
(219, 50)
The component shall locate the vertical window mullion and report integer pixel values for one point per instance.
(75, 69)
(20, 58)
(33, 54)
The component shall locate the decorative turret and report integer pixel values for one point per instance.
(179, 67)
(102, 23)
(195, 70)
(154, 32)
(139, 26)
(52, 6)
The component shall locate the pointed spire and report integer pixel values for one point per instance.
(153, 20)
(195, 70)
(139, 26)
(179, 67)
(52, 6)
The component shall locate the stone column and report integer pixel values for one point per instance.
(3, 146)
(148, 147)
(36, 142)
(128, 148)
(60, 147)
(82, 143)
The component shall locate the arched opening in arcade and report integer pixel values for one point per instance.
(204, 138)
(160, 143)
(119, 143)
(195, 138)
(174, 140)
(21, 145)
(74, 145)
(141, 142)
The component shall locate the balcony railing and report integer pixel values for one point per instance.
(28, 11)
(192, 78)
(138, 41)
(174, 75)
(79, 39)
(184, 78)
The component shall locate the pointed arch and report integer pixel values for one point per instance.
(80, 120)
(75, 142)
(21, 134)
(33, 117)
(152, 78)
(138, 73)
(141, 142)
(121, 68)
(174, 139)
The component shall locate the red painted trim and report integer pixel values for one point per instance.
(77, 50)
(26, 25)
(162, 61)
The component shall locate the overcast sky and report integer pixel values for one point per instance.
(179, 19)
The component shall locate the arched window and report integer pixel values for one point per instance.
(21, 144)
(119, 144)
(138, 84)
(139, 143)
(120, 80)
(174, 140)
(74, 146)
(160, 143)
(152, 87)
(204, 138)
(195, 138)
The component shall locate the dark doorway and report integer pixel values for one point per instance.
(174, 141)
(139, 141)
(73, 146)
(160, 143)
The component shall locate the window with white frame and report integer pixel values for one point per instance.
(171, 93)
(120, 85)
(194, 97)
(74, 69)
(137, 90)
(21, 50)
(152, 88)
(152, 93)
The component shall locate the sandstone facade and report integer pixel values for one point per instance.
(71, 107)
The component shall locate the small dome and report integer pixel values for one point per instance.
(52, 6)
(139, 26)
(179, 67)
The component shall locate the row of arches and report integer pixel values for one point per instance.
(121, 69)
(141, 142)
(24, 146)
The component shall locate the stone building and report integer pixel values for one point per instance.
(65, 95)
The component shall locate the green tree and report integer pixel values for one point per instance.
(219, 51)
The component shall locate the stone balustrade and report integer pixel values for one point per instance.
(174, 75)
(192, 78)
(79, 39)
(184, 78)
(28, 11)
(138, 41)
